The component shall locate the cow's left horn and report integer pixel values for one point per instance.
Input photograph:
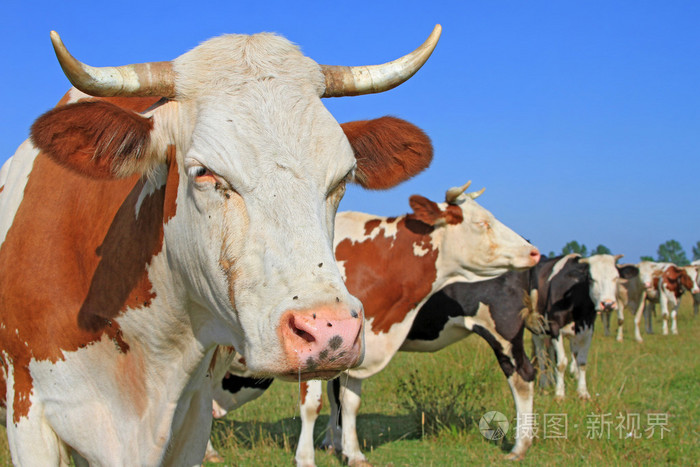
(139, 80)
(369, 79)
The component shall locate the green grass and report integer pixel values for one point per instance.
(662, 375)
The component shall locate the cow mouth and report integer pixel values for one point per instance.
(307, 376)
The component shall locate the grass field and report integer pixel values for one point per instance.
(628, 382)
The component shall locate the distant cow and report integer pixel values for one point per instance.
(668, 282)
(189, 208)
(696, 296)
(631, 294)
(571, 291)
(394, 265)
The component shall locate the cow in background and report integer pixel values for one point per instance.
(191, 207)
(571, 292)
(631, 294)
(696, 296)
(668, 282)
(394, 265)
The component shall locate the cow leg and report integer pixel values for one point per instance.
(580, 344)
(350, 391)
(32, 441)
(333, 438)
(522, 386)
(310, 407)
(648, 309)
(620, 321)
(639, 311)
(605, 316)
(674, 314)
(560, 367)
(573, 364)
(211, 455)
(696, 304)
(541, 355)
(663, 300)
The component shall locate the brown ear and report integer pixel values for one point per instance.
(95, 138)
(388, 151)
(425, 210)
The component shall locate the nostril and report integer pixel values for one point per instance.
(300, 332)
(354, 313)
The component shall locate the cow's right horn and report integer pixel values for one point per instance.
(356, 80)
(453, 193)
(139, 80)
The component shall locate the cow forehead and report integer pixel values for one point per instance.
(249, 140)
(602, 267)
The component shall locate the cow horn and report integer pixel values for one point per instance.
(453, 193)
(369, 79)
(155, 79)
(476, 194)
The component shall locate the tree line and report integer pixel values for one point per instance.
(670, 251)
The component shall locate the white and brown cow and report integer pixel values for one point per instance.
(668, 282)
(191, 207)
(571, 292)
(394, 265)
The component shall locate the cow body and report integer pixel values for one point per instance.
(571, 291)
(394, 265)
(142, 237)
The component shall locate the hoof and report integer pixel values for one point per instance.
(559, 398)
(359, 463)
(584, 396)
(213, 458)
(512, 456)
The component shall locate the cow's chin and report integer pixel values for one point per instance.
(309, 375)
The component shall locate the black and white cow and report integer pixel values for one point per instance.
(571, 292)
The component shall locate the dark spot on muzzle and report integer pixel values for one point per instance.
(335, 342)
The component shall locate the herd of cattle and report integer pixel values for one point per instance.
(175, 228)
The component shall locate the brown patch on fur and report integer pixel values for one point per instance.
(371, 225)
(2, 188)
(675, 279)
(385, 274)
(304, 388)
(75, 257)
(388, 151)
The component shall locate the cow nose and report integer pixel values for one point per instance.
(325, 340)
(608, 305)
(535, 256)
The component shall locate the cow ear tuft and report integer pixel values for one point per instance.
(95, 138)
(388, 151)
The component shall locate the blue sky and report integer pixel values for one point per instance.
(581, 119)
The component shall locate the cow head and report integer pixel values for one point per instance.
(692, 283)
(257, 166)
(603, 276)
(471, 240)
